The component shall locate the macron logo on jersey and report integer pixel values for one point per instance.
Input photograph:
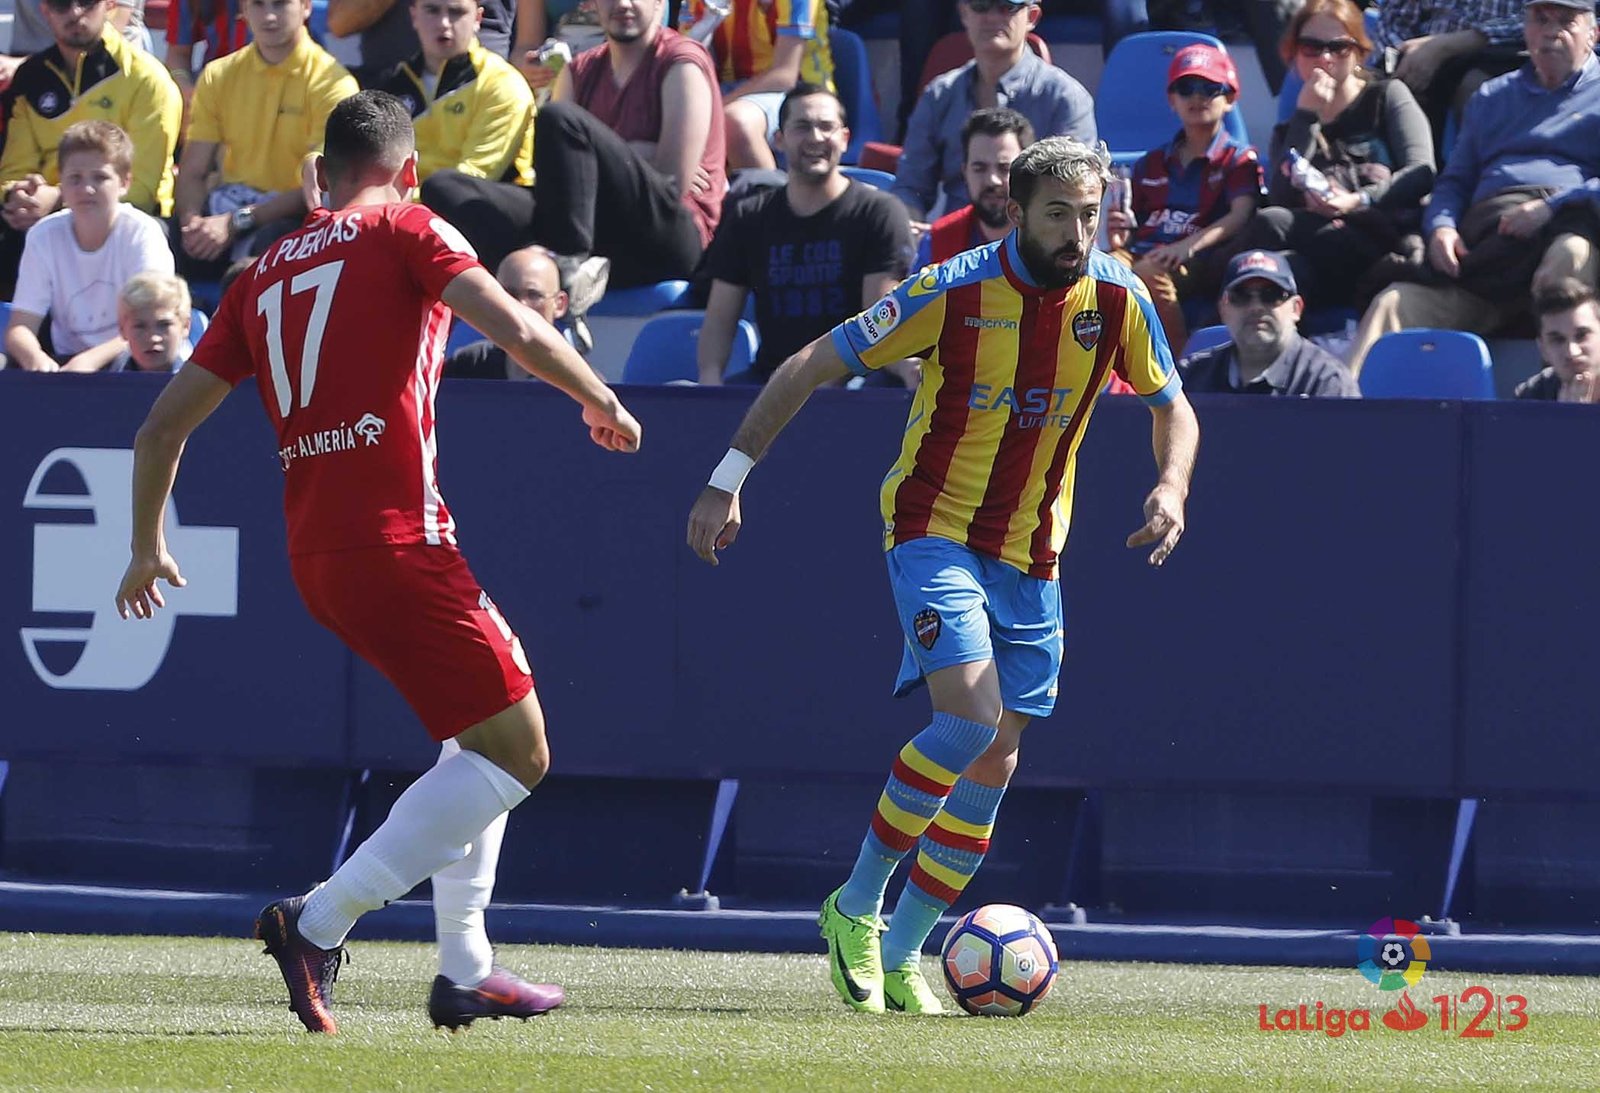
(76, 566)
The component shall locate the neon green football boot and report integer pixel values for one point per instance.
(906, 991)
(854, 959)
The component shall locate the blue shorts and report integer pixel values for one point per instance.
(957, 607)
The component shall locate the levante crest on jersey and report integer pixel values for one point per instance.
(1086, 327)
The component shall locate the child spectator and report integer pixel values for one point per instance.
(153, 319)
(1188, 197)
(75, 261)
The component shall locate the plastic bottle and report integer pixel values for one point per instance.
(1119, 195)
(1306, 177)
(706, 25)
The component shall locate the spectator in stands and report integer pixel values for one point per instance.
(1444, 52)
(1190, 196)
(990, 140)
(1367, 137)
(532, 277)
(1003, 72)
(30, 32)
(153, 316)
(1569, 344)
(76, 261)
(932, 20)
(815, 252)
(1261, 308)
(90, 72)
(388, 38)
(762, 49)
(218, 27)
(1515, 203)
(628, 157)
(472, 111)
(256, 114)
(1263, 20)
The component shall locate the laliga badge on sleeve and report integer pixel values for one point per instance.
(880, 318)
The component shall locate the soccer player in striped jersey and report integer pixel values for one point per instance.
(1018, 338)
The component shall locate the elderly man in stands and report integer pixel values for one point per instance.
(1516, 202)
(1261, 308)
(1003, 72)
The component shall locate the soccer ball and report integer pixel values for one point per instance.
(999, 961)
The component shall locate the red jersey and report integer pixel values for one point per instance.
(342, 327)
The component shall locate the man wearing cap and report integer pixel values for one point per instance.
(1190, 195)
(1515, 205)
(1003, 72)
(1261, 306)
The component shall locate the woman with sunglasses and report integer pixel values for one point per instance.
(1368, 137)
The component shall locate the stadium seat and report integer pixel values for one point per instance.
(880, 156)
(199, 323)
(1428, 364)
(852, 75)
(665, 349)
(1207, 337)
(1138, 117)
(1292, 83)
(318, 23)
(883, 180)
(643, 300)
(462, 335)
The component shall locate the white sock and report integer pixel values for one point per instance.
(461, 891)
(429, 827)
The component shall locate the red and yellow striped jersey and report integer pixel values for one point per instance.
(744, 42)
(1009, 379)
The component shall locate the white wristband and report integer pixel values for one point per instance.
(730, 473)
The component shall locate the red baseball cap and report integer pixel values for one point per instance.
(1205, 61)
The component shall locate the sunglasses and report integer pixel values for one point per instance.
(1319, 47)
(1188, 86)
(978, 7)
(1244, 296)
(61, 7)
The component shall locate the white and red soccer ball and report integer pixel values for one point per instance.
(999, 961)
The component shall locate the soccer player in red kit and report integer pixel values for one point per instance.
(342, 324)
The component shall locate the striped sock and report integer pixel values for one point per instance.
(918, 784)
(947, 857)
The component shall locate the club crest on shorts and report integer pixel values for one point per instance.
(926, 624)
(1086, 327)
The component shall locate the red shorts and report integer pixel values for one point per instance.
(417, 615)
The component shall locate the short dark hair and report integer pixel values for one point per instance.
(805, 89)
(995, 121)
(1563, 295)
(370, 128)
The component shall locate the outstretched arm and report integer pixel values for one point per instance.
(1175, 435)
(541, 351)
(714, 520)
(189, 398)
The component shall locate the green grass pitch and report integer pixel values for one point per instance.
(184, 1013)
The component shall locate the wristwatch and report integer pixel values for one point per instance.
(243, 220)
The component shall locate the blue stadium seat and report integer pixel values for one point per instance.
(852, 75)
(1138, 117)
(5, 314)
(462, 335)
(1292, 83)
(883, 180)
(643, 300)
(1207, 337)
(199, 323)
(1428, 364)
(665, 349)
(1067, 27)
(318, 23)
